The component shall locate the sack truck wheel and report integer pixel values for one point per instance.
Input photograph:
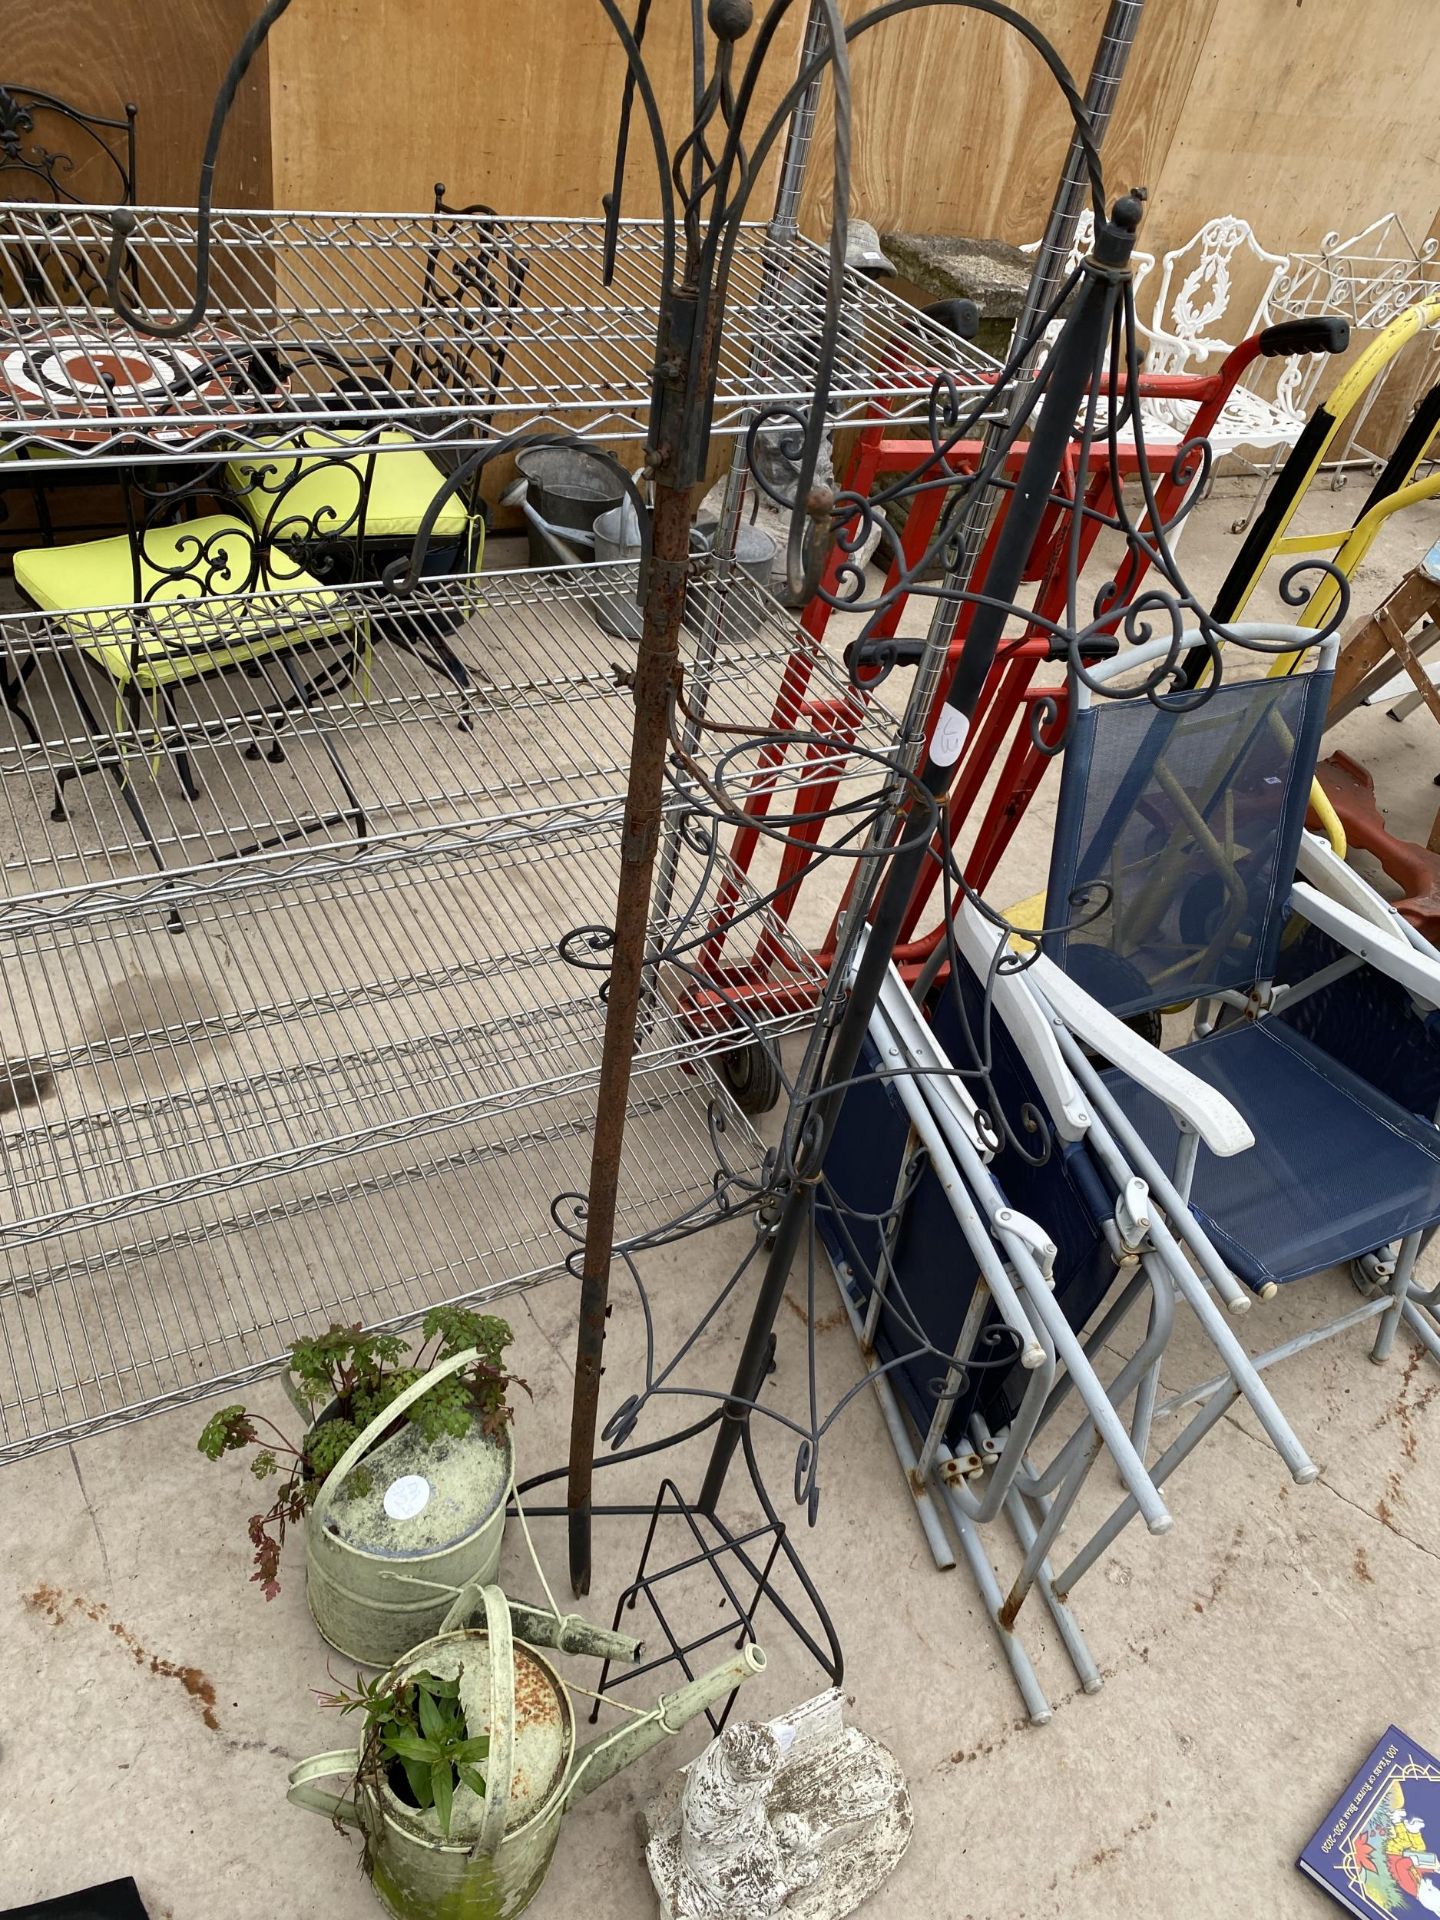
(752, 1076)
(1147, 1024)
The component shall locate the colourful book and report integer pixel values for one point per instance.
(1378, 1850)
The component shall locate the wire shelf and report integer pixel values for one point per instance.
(353, 1074)
(534, 745)
(453, 327)
(145, 1064)
(98, 1328)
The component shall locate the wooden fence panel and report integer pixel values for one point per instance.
(513, 105)
(168, 56)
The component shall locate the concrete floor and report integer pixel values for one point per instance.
(152, 1702)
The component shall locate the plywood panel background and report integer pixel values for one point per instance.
(959, 128)
(168, 56)
(1279, 111)
(1308, 117)
(1315, 123)
(514, 105)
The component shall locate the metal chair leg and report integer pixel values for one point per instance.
(1179, 1450)
(1143, 1414)
(12, 692)
(1066, 1624)
(1399, 1288)
(179, 756)
(1267, 474)
(112, 764)
(362, 827)
(983, 1574)
(1421, 1323)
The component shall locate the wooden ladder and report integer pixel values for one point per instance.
(1404, 627)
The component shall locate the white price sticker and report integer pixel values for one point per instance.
(950, 733)
(407, 1496)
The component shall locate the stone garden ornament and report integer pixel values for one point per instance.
(800, 1815)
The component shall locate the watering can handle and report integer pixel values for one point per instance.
(322, 1766)
(366, 1439)
(500, 1761)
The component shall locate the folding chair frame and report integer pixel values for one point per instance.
(1038, 1500)
(1337, 901)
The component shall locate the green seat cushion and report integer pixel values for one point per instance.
(91, 584)
(13, 456)
(315, 490)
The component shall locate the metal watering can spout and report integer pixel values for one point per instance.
(602, 1759)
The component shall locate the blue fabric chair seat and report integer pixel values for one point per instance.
(1337, 1169)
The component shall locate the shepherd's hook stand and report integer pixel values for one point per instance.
(1073, 367)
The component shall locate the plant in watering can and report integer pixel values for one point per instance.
(348, 1379)
(418, 1735)
(437, 1847)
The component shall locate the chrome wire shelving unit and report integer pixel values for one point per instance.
(339, 1015)
(450, 327)
(102, 1324)
(247, 1093)
(301, 1019)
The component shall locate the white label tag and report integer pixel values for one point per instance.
(951, 731)
(407, 1496)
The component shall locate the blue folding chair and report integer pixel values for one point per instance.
(947, 1287)
(942, 1272)
(1179, 839)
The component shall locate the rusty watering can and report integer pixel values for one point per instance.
(499, 1846)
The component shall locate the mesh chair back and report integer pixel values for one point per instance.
(1176, 840)
(861, 1171)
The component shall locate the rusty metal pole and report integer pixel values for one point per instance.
(682, 396)
(659, 651)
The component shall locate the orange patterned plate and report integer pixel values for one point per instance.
(94, 381)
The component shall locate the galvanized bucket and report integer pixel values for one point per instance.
(383, 1568)
(739, 591)
(499, 1847)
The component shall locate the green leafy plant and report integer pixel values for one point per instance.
(354, 1376)
(417, 1732)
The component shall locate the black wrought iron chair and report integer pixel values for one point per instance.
(175, 601)
(470, 272)
(302, 490)
(485, 271)
(34, 170)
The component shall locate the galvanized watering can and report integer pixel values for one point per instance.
(382, 1569)
(495, 1859)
